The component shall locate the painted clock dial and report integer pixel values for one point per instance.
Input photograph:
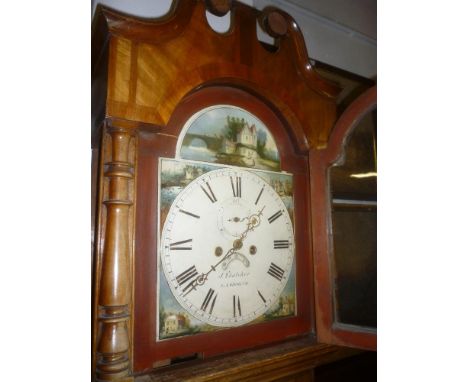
(227, 247)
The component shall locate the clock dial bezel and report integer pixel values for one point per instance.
(162, 142)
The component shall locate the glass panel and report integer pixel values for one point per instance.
(356, 178)
(354, 218)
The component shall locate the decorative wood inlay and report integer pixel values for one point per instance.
(114, 288)
(154, 64)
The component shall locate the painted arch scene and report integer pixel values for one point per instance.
(229, 135)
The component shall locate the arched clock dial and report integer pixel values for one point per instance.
(227, 247)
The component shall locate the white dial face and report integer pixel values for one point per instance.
(227, 247)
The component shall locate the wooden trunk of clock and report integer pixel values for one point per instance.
(149, 78)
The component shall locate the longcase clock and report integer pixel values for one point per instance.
(205, 241)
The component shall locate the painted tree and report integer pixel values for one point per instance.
(233, 126)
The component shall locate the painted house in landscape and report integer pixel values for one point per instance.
(175, 175)
(229, 135)
(244, 146)
(174, 323)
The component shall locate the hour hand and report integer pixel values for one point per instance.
(200, 280)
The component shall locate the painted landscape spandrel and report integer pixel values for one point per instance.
(229, 135)
(173, 320)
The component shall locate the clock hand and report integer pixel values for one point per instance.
(254, 222)
(238, 220)
(200, 280)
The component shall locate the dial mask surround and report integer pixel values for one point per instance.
(227, 247)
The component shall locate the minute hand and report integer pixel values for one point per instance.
(254, 222)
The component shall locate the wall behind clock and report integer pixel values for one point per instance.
(340, 33)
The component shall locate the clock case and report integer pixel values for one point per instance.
(154, 145)
(149, 77)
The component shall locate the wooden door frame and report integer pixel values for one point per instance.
(328, 330)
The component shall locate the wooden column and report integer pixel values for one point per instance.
(114, 265)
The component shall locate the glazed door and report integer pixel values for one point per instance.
(344, 194)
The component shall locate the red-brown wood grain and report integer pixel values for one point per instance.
(218, 7)
(153, 64)
(162, 143)
(292, 361)
(149, 76)
(320, 161)
(112, 304)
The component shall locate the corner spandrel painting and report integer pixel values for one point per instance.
(174, 321)
(228, 135)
